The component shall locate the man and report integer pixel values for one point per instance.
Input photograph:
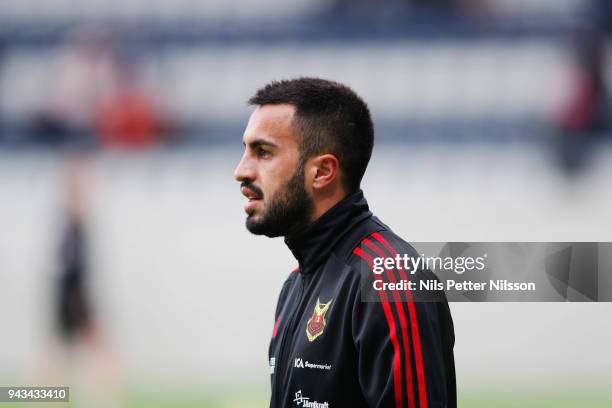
(307, 146)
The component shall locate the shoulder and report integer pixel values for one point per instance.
(289, 281)
(292, 276)
(378, 241)
(285, 290)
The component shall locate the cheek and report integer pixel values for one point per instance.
(275, 177)
(272, 185)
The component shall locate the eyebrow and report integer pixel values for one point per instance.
(260, 142)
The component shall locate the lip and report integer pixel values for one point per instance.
(248, 193)
(253, 198)
(251, 204)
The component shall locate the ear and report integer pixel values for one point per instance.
(326, 171)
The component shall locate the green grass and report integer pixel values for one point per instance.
(531, 398)
(223, 397)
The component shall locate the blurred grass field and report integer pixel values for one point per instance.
(225, 397)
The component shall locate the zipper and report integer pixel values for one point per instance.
(282, 349)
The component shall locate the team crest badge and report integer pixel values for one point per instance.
(316, 323)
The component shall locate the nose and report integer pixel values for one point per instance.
(244, 171)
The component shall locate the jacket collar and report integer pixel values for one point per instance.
(313, 244)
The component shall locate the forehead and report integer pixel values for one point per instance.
(273, 123)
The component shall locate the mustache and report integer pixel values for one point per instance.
(250, 186)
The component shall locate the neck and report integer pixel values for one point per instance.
(322, 202)
(326, 200)
(313, 243)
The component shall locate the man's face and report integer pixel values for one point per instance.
(271, 173)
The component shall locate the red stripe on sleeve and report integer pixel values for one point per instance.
(415, 327)
(275, 329)
(397, 372)
(403, 324)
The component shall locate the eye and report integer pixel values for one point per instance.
(263, 153)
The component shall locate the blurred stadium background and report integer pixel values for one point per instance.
(492, 125)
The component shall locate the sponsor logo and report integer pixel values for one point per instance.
(317, 322)
(305, 402)
(299, 363)
(272, 364)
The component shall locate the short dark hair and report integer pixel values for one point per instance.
(329, 118)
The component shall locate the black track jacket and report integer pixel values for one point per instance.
(330, 349)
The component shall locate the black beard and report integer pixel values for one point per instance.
(289, 209)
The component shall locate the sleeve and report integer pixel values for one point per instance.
(404, 349)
